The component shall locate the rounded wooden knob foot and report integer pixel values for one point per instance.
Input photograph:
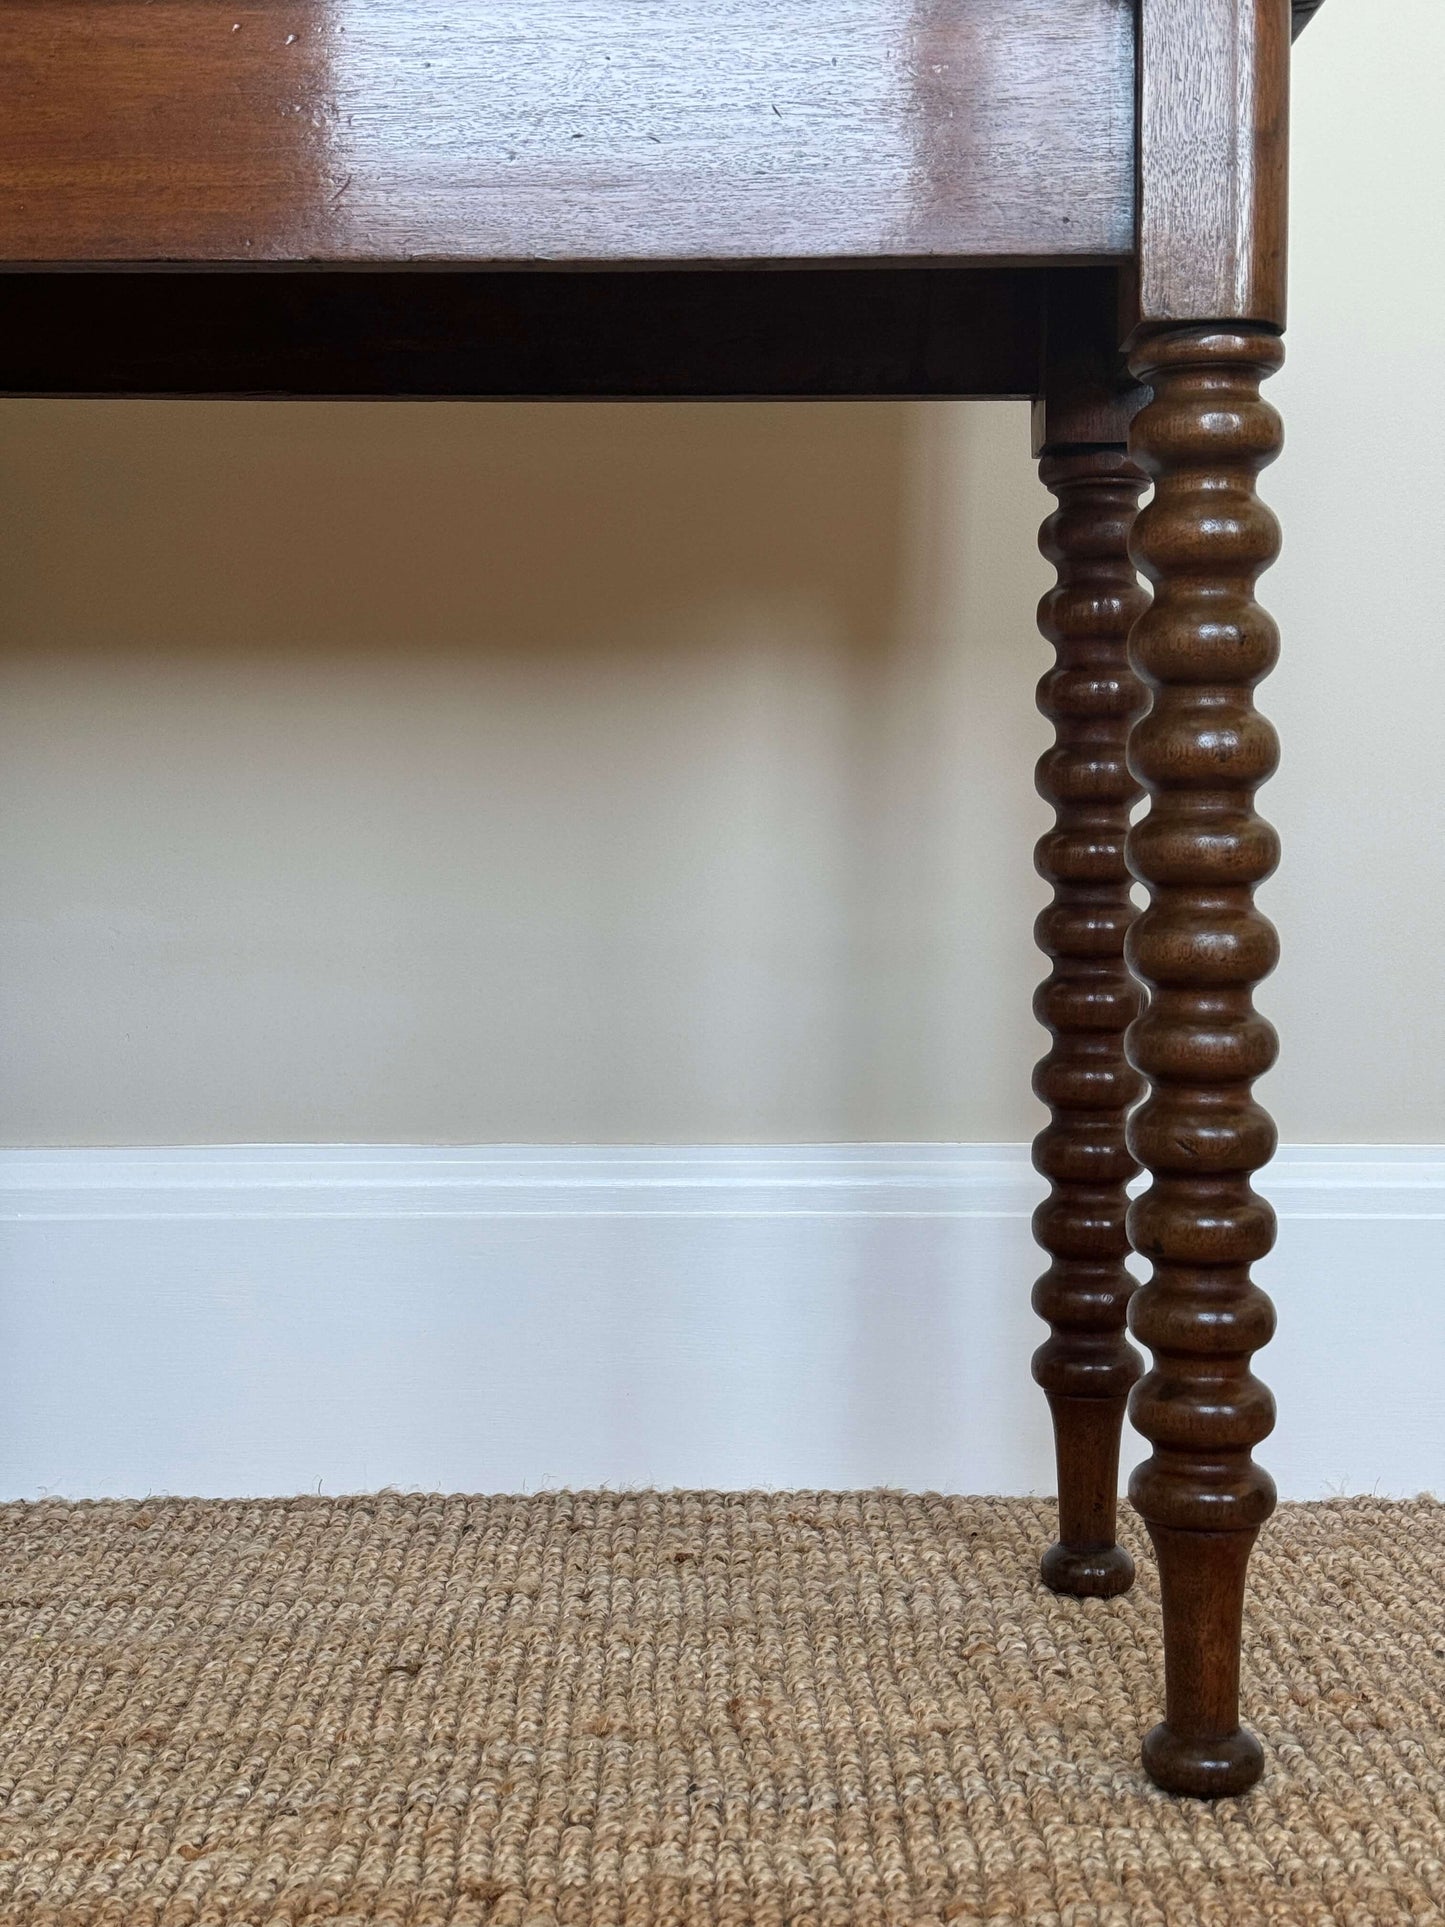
(1087, 1572)
(1208, 1769)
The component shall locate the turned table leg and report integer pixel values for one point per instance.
(1200, 948)
(1086, 1365)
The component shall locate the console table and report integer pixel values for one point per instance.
(1080, 201)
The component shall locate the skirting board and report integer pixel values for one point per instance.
(276, 1319)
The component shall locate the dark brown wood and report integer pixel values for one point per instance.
(1086, 1365)
(804, 332)
(1213, 160)
(1085, 396)
(1200, 947)
(573, 131)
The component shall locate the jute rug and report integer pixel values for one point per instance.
(718, 1709)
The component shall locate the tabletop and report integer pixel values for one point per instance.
(352, 132)
(670, 154)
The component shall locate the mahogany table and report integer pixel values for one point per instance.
(1081, 201)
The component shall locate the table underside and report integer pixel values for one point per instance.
(922, 332)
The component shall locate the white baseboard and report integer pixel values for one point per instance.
(273, 1319)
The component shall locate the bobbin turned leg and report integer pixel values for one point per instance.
(1200, 947)
(1086, 1365)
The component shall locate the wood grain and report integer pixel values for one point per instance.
(609, 131)
(1213, 160)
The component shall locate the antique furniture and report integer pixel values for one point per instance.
(1082, 201)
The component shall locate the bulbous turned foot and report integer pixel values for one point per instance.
(1206, 1769)
(1087, 1572)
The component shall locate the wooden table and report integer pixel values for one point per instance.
(1081, 201)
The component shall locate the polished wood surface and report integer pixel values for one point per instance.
(1089, 998)
(609, 131)
(1200, 947)
(1213, 160)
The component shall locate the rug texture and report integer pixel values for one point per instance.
(689, 1710)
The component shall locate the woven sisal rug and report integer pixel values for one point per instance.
(718, 1709)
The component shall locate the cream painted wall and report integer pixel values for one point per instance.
(412, 773)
